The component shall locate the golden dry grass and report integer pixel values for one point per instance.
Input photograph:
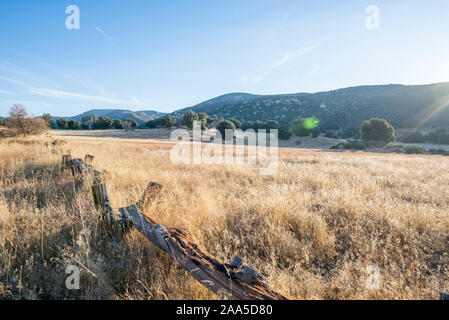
(312, 229)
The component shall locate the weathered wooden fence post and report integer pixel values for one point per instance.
(113, 220)
(66, 162)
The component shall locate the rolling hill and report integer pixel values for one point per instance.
(402, 105)
(141, 117)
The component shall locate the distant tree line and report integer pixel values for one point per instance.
(438, 136)
(89, 122)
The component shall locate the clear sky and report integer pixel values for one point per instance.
(165, 55)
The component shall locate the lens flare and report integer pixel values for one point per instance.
(311, 123)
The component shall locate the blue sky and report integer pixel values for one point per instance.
(165, 55)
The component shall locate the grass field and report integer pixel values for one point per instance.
(312, 229)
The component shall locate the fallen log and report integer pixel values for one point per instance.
(229, 281)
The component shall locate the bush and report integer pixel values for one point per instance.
(19, 124)
(104, 123)
(168, 121)
(439, 151)
(414, 150)
(188, 118)
(284, 133)
(62, 123)
(118, 124)
(272, 124)
(299, 129)
(49, 119)
(223, 126)
(74, 125)
(377, 130)
(355, 145)
(350, 145)
(236, 122)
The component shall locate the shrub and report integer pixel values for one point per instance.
(377, 130)
(439, 151)
(20, 124)
(104, 123)
(284, 133)
(272, 124)
(168, 121)
(414, 150)
(62, 123)
(223, 126)
(355, 145)
(74, 125)
(49, 119)
(299, 129)
(188, 118)
(88, 121)
(118, 124)
(236, 122)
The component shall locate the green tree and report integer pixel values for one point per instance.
(284, 133)
(73, 125)
(188, 118)
(315, 132)
(152, 124)
(377, 130)
(299, 129)
(248, 125)
(117, 124)
(223, 126)
(272, 124)
(62, 123)
(168, 121)
(205, 119)
(88, 121)
(2, 123)
(236, 122)
(50, 120)
(259, 125)
(104, 123)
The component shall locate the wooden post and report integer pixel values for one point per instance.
(149, 195)
(103, 204)
(66, 162)
(88, 158)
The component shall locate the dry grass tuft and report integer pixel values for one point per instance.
(312, 229)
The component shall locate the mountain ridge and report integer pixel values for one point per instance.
(404, 106)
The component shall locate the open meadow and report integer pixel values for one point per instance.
(313, 230)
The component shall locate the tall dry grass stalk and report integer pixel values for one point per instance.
(312, 229)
